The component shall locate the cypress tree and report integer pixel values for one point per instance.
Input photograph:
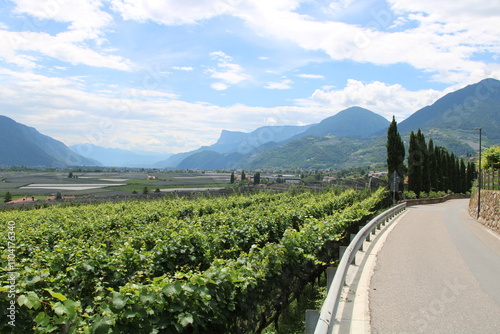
(395, 152)
(445, 170)
(424, 160)
(470, 175)
(463, 177)
(439, 168)
(256, 178)
(433, 166)
(414, 166)
(452, 172)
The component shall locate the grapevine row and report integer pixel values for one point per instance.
(123, 266)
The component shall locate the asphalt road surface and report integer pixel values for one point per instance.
(437, 272)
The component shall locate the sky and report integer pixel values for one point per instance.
(168, 76)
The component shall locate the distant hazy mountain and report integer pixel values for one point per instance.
(228, 141)
(349, 123)
(21, 145)
(210, 160)
(114, 157)
(241, 142)
(235, 142)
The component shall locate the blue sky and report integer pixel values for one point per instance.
(168, 76)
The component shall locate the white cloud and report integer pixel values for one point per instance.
(219, 86)
(171, 12)
(148, 93)
(310, 76)
(226, 71)
(85, 17)
(379, 97)
(444, 41)
(14, 44)
(183, 68)
(446, 10)
(76, 45)
(284, 84)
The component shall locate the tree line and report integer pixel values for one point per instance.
(430, 167)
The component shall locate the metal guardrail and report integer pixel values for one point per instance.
(329, 309)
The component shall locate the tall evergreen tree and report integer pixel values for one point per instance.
(424, 160)
(231, 180)
(452, 172)
(445, 186)
(433, 165)
(395, 152)
(414, 166)
(439, 170)
(256, 178)
(470, 175)
(463, 177)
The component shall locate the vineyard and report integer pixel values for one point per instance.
(210, 265)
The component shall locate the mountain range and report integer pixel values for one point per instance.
(352, 137)
(21, 145)
(287, 147)
(115, 157)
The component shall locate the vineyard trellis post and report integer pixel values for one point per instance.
(490, 180)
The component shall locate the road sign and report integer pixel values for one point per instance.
(395, 179)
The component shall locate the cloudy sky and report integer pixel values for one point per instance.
(168, 76)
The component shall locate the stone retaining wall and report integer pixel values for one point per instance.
(490, 208)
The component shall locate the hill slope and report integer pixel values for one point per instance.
(473, 106)
(308, 152)
(350, 123)
(21, 145)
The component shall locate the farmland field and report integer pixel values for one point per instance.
(173, 265)
(39, 184)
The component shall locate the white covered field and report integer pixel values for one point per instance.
(70, 186)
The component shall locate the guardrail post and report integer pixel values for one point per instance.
(342, 251)
(312, 317)
(361, 248)
(330, 274)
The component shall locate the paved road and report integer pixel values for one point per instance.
(437, 272)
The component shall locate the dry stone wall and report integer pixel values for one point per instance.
(490, 208)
